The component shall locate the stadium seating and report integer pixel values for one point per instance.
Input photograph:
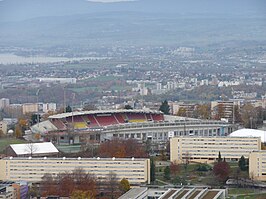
(105, 120)
(120, 117)
(157, 117)
(136, 117)
(58, 124)
(92, 122)
(80, 125)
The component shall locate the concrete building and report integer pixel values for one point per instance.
(3, 127)
(226, 109)
(7, 192)
(174, 193)
(136, 170)
(4, 102)
(257, 165)
(30, 108)
(46, 107)
(206, 149)
(19, 190)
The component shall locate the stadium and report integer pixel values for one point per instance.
(101, 125)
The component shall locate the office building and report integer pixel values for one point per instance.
(206, 149)
(257, 165)
(136, 170)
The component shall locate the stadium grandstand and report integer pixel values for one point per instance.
(143, 125)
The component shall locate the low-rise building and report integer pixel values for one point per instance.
(135, 170)
(206, 149)
(175, 193)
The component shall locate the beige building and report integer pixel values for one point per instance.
(257, 165)
(29, 108)
(206, 149)
(136, 170)
(3, 126)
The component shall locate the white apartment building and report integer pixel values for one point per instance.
(136, 170)
(257, 165)
(206, 149)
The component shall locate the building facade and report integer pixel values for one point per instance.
(135, 170)
(206, 149)
(3, 127)
(257, 165)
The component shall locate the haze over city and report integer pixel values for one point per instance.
(122, 98)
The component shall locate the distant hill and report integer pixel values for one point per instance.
(25, 9)
(79, 23)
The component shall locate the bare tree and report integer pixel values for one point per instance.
(31, 148)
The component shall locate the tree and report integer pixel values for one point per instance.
(124, 185)
(182, 112)
(128, 107)
(242, 163)
(249, 116)
(112, 186)
(167, 173)
(31, 148)
(203, 111)
(174, 168)
(221, 170)
(165, 108)
(220, 112)
(152, 170)
(34, 119)
(18, 131)
(120, 148)
(219, 157)
(77, 194)
(68, 109)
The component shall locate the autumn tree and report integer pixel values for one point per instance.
(248, 116)
(48, 185)
(81, 195)
(182, 112)
(122, 148)
(203, 111)
(174, 168)
(18, 131)
(124, 185)
(165, 108)
(220, 112)
(77, 183)
(221, 170)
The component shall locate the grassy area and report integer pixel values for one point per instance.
(250, 196)
(240, 191)
(5, 142)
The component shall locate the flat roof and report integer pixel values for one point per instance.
(34, 148)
